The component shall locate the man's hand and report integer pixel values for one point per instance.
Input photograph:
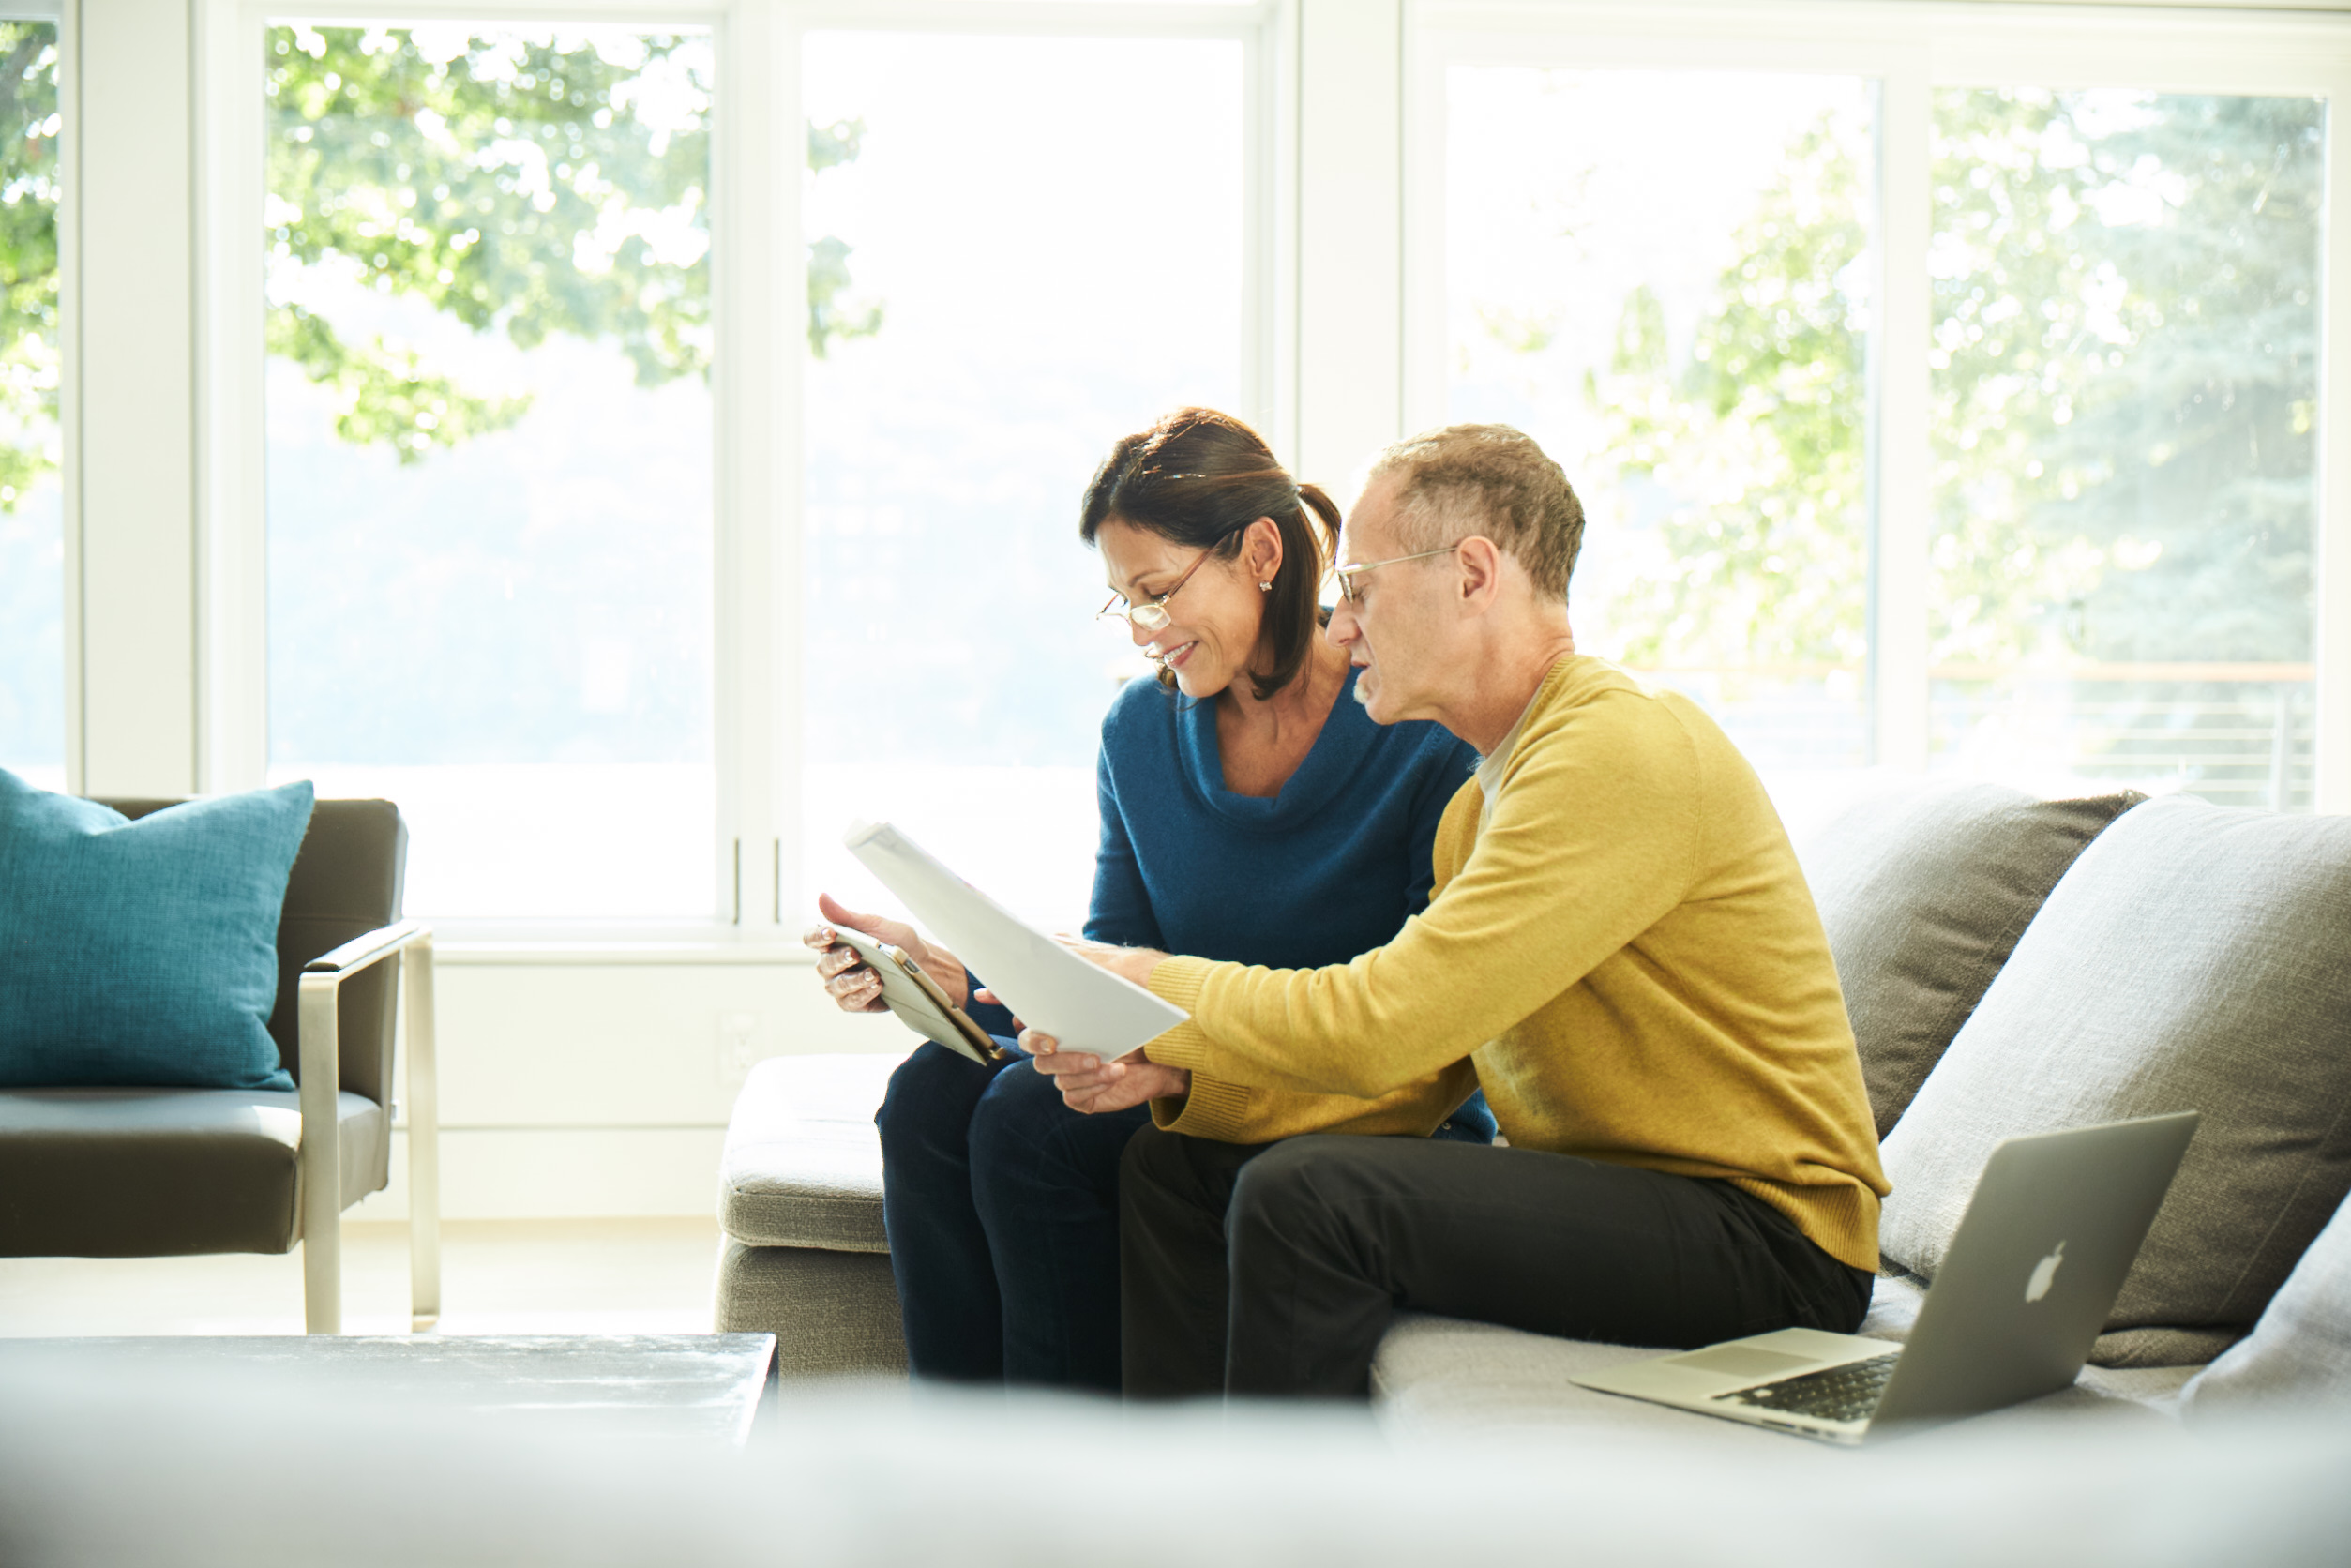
(1128, 963)
(1092, 1086)
(852, 984)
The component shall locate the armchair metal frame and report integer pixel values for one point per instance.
(321, 1158)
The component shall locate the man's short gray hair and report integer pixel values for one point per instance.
(1489, 479)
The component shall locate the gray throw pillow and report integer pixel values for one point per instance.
(2302, 1348)
(1925, 889)
(2194, 958)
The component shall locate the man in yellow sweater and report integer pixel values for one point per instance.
(1620, 950)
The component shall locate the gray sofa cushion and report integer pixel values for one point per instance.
(803, 1163)
(832, 1313)
(1925, 889)
(2194, 958)
(1442, 1376)
(2302, 1348)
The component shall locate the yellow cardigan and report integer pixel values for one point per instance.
(1624, 956)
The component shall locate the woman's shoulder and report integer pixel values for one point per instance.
(1143, 713)
(1415, 745)
(1435, 753)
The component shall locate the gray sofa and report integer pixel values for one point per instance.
(2010, 965)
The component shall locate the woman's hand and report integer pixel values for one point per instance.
(855, 986)
(1091, 1085)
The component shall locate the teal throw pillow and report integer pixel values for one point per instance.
(146, 952)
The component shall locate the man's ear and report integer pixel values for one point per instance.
(1480, 563)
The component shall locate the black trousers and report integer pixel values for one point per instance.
(1273, 1268)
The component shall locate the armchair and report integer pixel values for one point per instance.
(167, 1172)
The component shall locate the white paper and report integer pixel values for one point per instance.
(1046, 984)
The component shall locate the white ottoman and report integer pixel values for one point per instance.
(800, 1202)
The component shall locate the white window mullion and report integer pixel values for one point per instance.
(1350, 339)
(1424, 199)
(134, 369)
(1264, 386)
(760, 694)
(232, 600)
(1898, 605)
(70, 393)
(2333, 703)
(1275, 152)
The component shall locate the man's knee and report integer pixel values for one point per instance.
(1152, 1162)
(1301, 1185)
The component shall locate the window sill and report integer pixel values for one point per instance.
(523, 944)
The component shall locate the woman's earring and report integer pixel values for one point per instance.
(1265, 587)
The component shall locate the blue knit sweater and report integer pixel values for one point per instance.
(1324, 870)
(1327, 869)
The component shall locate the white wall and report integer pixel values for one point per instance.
(594, 1087)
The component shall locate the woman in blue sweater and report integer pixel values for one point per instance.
(1249, 811)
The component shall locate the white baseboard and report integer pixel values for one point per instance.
(562, 1173)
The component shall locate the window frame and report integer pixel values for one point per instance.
(757, 292)
(1913, 49)
(1342, 265)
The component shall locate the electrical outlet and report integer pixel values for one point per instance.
(735, 1055)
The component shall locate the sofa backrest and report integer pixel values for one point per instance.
(1925, 888)
(2193, 958)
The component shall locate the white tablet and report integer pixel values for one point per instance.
(1046, 984)
(917, 999)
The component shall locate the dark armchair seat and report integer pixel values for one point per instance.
(165, 1172)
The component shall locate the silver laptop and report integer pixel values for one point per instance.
(2036, 1265)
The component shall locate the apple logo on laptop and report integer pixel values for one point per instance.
(2044, 1274)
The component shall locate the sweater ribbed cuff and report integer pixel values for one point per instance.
(1215, 1108)
(1181, 981)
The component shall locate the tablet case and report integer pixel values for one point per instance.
(917, 999)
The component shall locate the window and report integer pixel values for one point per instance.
(2125, 352)
(1667, 279)
(32, 518)
(996, 294)
(1942, 395)
(490, 454)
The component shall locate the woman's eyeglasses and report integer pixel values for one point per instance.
(1152, 614)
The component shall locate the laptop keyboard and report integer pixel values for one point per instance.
(1848, 1393)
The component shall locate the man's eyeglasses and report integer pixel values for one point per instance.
(1350, 578)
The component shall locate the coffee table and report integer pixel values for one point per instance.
(694, 1385)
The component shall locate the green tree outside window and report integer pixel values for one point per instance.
(28, 257)
(523, 185)
(2124, 391)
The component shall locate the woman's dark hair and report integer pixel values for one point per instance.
(1200, 478)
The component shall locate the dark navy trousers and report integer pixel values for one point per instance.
(1001, 1205)
(1002, 1210)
